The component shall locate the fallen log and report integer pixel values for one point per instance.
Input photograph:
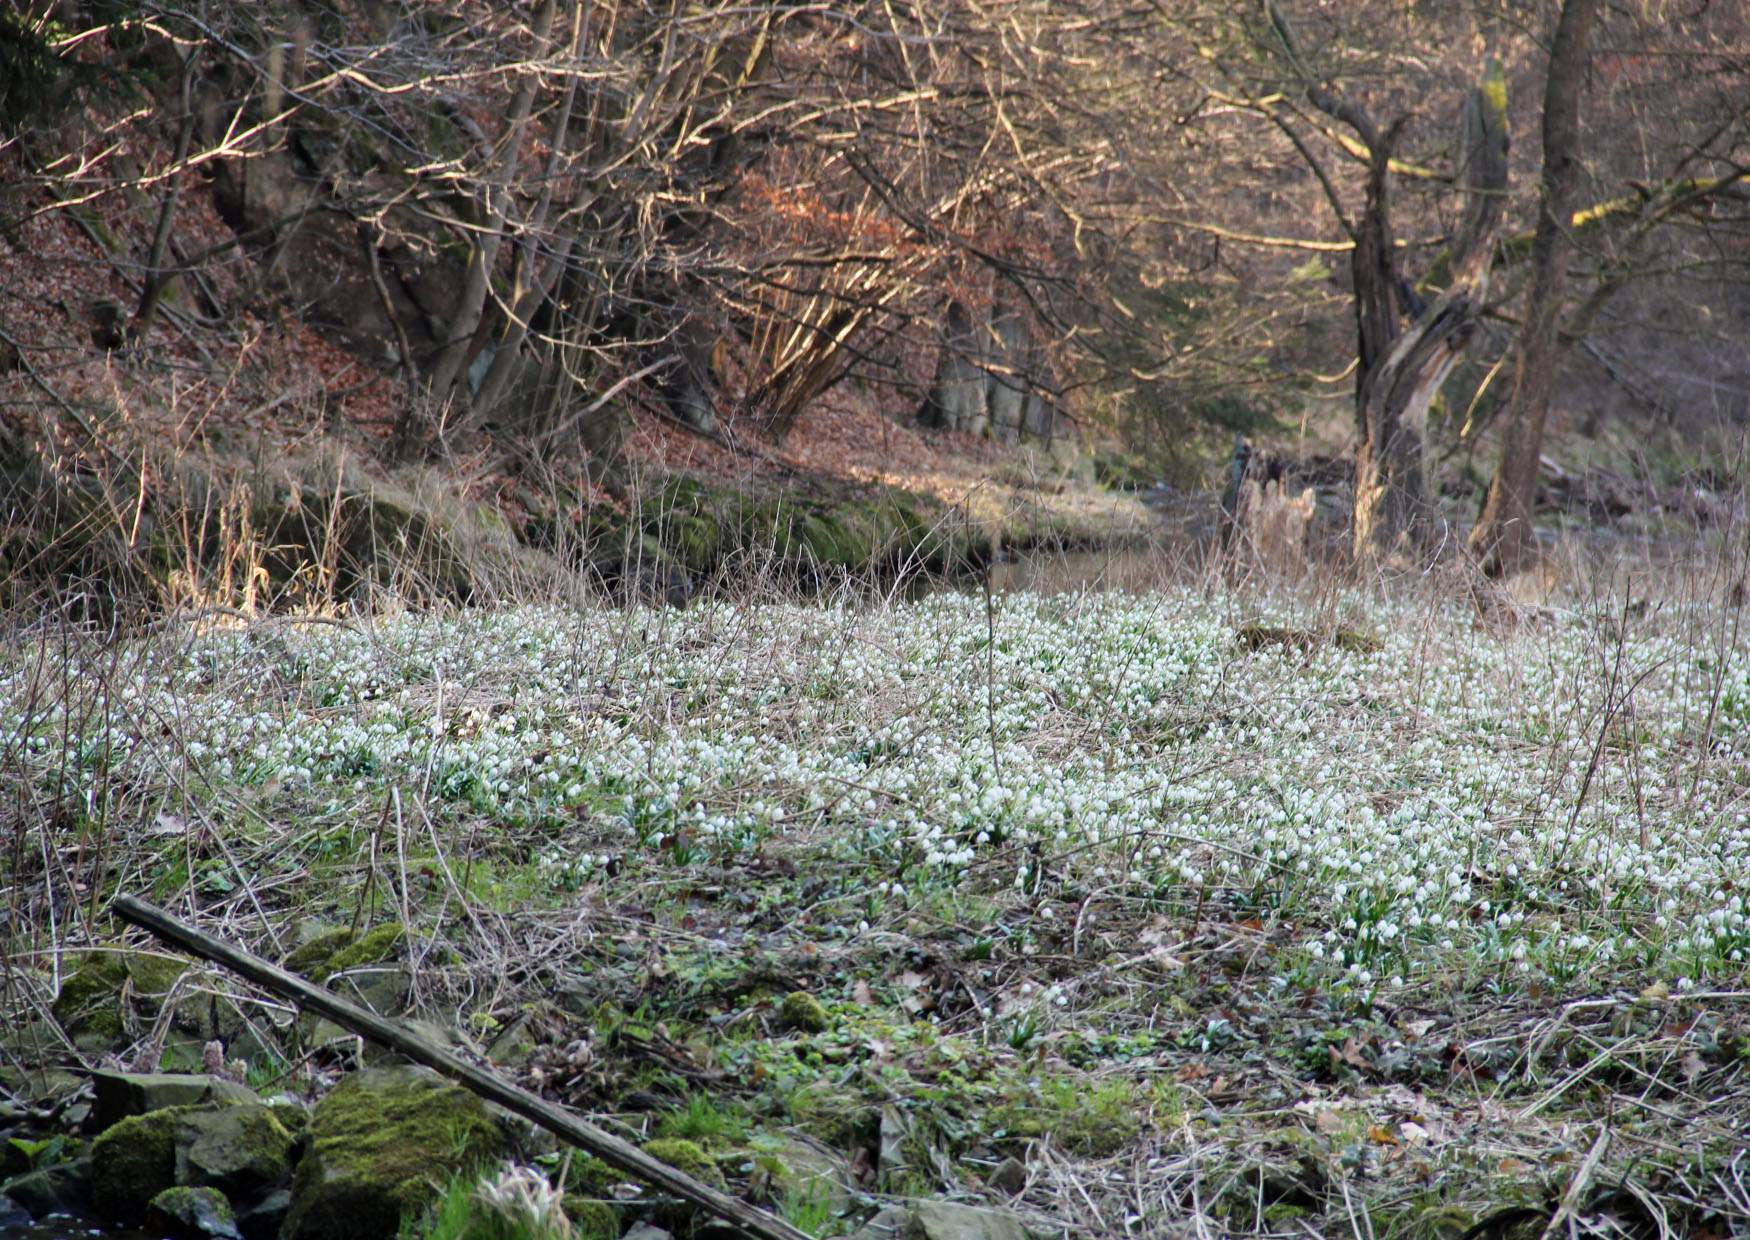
(356, 1019)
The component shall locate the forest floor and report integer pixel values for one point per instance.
(1178, 912)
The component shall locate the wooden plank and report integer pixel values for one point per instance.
(356, 1019)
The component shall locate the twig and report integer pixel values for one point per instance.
(359, 1020)
(1577, 1185)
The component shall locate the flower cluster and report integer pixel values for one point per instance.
(1452, 803)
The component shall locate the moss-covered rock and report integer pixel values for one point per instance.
(133, 1162)
(117, 1095)
(593, 1177)
(800, 1168)
(90, 1004)
(687, 1156)
(803, 1012)
(294, 1117)
(373, 947)
(192, 1213)
(591, 1219)
(379, 1143)
(240, 1151)
(310, 958)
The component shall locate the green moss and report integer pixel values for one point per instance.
(373, 947)
(379, 1143)
(133, 1162)
(90, 1000)
(695, 541)
(802, 1011)
(237, 1149)
(191, 1211)
(836, 539)
(310, 959)
(292, 1117)
(594, 1177)
(687, 1156)
(591, 1219)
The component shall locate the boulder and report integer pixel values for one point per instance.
(132, 1162)
(241, 1151)
(264, 1219)
(380, 1144)
(90, 1003)
(13, 1217)
(950, 1220)
(118, 1095)
(64, 1188)
(804, 1168)
(192, 1214)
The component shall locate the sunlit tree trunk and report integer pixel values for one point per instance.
(1502, 539)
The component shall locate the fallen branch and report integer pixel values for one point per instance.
(557, 1120)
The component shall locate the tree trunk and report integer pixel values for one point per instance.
(1503, 540)
(1400, 375)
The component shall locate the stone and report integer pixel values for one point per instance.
(192, 1213)
(117, 1095)
(240, 1151)
(263, 1220)
(89, 1006)
(132, 1162)
(64, 1188)
(950, 1220)
(1010, 1176)
(380, 1143)
(805, 1167)
(687, 1156)
(888, 1224)
(13, 1217)
(374, 947)
(592, 1219)
(647, 1231)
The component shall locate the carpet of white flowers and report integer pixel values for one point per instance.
(1542, 806)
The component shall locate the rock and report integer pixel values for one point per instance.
(263, 1220)
(192, 1213)
(43, 1088)
(13, 1217)
(373, 947)
(949, 1220)
(118, 1095)
(687, 1156)
(320, 945)
(804, 1167)
(592, 1219)
(132, 1162)
(240, 1151)
(646, 1231)
(1010, 1176)
(64, 1188)
(89, 1005)
(380, 1143)
(889, 1224)
(803, 1012)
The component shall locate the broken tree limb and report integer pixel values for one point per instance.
(557, 1120)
